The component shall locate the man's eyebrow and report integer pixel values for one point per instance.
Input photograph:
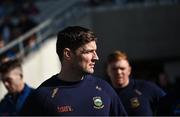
(88, 50)
(84, 50)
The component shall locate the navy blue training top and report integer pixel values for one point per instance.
(140, 97)
(88, 97)
(11, 106)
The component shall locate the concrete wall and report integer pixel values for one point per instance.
(144, 32)
(42, 64)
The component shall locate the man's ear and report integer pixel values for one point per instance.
(67, 54)
(21, 76)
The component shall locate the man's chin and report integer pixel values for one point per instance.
(10, 91)
(89, 72)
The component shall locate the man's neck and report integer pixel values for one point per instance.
(122, 85)
(69, 76)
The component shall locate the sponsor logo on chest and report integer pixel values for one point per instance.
(64, 109)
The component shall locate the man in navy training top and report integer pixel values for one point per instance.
(18, 91)
(74, 92)
(138, 97)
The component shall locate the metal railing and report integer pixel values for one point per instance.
(56, 20)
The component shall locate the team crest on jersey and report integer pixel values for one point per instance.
(98, 103)
(134, 102)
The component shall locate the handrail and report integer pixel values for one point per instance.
(26, 35)
(42, 26)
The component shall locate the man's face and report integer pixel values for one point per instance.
(12, 80)
(119, 72)
(85, 58)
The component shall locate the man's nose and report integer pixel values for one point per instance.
(119, 71)
(95, 57)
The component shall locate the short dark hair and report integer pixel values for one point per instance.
(73, 37)
(10, 65)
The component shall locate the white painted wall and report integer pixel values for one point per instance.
(39, 66)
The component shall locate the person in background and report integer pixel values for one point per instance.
(169, 105)
(163, 82)
(74, 91)
(139, 97)
(12, 77)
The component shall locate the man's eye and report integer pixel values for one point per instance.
(86, 52)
